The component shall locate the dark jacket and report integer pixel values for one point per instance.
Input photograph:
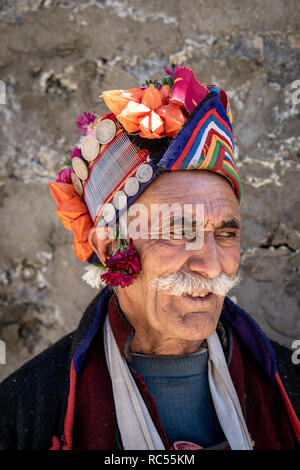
(62, 399)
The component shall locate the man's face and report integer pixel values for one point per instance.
(184, 317)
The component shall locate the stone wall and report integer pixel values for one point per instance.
(55, 59)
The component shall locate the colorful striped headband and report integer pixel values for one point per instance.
(175, 124)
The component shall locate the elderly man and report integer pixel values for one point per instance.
(162, 358)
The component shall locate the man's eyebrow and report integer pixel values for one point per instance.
(230, 223)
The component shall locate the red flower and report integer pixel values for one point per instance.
(117, 279)
(124, 260)
(122, 266)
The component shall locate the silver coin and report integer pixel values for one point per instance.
(109, 212)
(105, 131)
(144, 173)
(80, 168)
(77, 183)
(131, 186)
(90, 148)
(120, 200)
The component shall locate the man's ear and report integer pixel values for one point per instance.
(102, 241)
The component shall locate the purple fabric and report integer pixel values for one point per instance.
(251, 335)
(101, 310)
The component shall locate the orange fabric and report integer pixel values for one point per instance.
(80, 229)
(70, 210)
(153, 98)
(131, 114)
(62, 191)
(166, 91)
(151, 126)
(146, 112)
(117, 100)
(75, 216)
(173, 117)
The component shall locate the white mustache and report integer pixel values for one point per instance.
(182, 282)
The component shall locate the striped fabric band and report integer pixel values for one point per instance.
(206, 143)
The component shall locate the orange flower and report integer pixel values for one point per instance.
(75, 216)
(152, 126)
(117, 100)
(131, 115)
(173, 117)
(146, 112)
(153, 98)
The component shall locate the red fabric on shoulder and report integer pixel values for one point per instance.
(95, 425)
(290, 410)
(264, 411)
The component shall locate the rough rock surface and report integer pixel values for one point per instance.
(55, 59)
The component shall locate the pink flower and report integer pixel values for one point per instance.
(64, 176)
(84, 121)
(170, 72)
(76, 153)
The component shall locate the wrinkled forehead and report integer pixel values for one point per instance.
(192, 187)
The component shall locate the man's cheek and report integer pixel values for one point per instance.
(231, 260)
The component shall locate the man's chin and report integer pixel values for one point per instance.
(199, 314)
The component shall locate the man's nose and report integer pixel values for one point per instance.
(206, 260)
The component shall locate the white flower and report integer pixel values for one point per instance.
(92, 276)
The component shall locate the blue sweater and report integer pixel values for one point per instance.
(179, 385)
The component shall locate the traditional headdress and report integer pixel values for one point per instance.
(173, 124)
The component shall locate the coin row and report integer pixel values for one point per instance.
(143, 174)
(104, 133)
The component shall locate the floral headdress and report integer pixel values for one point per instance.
(170, 124)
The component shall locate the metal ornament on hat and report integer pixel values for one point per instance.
(89, 149)
(123, 264)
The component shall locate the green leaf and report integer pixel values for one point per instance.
(116, 232)
(66, 163)
(99, 264)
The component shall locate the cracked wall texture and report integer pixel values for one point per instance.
(56, 57)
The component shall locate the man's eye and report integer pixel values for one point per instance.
(227, 234)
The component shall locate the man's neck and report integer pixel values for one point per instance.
(151, 342)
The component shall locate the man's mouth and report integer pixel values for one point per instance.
(199, 295)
